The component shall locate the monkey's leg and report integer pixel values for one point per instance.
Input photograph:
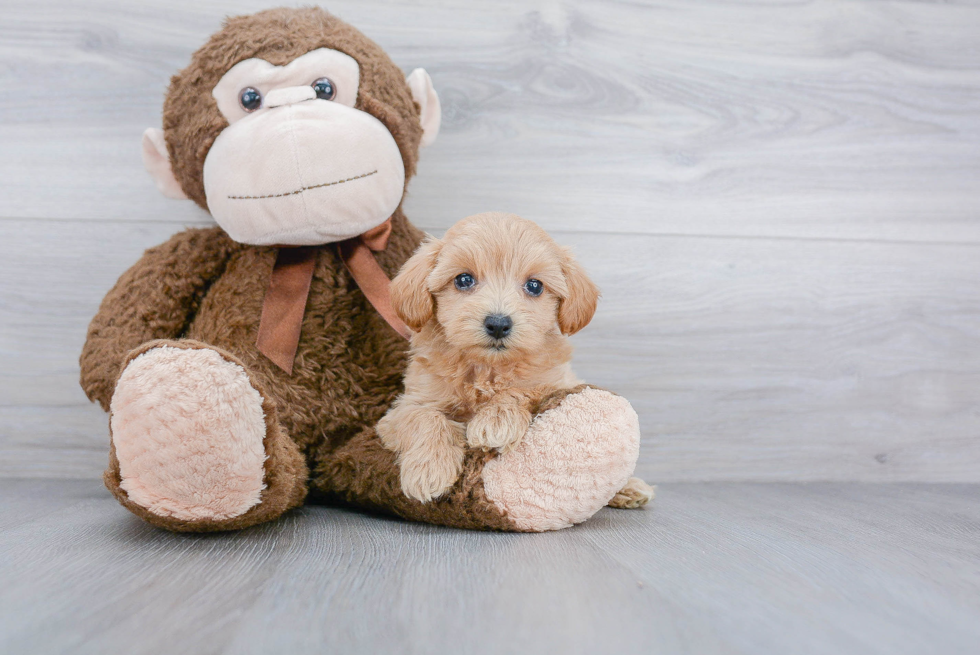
(580, 450)
(196, 446)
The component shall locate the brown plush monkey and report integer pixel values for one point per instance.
(245, 365)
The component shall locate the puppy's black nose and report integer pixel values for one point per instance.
(498, 326)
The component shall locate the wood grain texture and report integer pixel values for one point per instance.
(709, 568)
(778, 199)
(746, 359)
(834, 119)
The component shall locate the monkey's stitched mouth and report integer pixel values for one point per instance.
(306, 188)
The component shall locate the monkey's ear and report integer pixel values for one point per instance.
(156, 160)
(577, 306)
(410, 295)
(423, 93)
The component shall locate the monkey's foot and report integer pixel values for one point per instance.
(191, 436)
(571, 462)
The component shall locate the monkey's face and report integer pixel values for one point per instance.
(298, 164)
(292, 128)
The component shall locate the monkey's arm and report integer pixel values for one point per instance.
(155, 299)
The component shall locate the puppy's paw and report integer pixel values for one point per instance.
(636, 493)
(427, 472)
(387, 432)
(500, 427)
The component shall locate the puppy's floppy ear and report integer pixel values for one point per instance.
(576, 306)
(410, 296)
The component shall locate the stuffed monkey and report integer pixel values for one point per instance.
(245, 365)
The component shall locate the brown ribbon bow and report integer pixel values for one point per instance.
(289, 288)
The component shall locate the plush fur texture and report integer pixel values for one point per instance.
(191, 120)
(203, 291)
(463, 387)
(285, 470)
(363, 472)
(300, 171)
(188, 429)
(591, 448)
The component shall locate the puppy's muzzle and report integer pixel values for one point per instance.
(498, 326)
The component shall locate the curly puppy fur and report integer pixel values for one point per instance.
(464, 387)
(636, 493)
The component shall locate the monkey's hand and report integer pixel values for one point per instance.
(498, 425)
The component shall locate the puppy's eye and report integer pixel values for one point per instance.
(533, 287)
(250, 98)
(464, 281)
(325, 89)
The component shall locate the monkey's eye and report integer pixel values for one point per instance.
(533, 287)
(250, 98)
(464, 281)
(325, 90)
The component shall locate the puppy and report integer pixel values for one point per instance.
(491, 305)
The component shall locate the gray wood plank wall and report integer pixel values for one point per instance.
(780, 201)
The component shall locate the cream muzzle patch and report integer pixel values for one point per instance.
(302, 189)
(295, 168)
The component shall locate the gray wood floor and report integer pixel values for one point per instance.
(830, 568)
(778, 199)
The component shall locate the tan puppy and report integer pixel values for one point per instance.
(491, 304)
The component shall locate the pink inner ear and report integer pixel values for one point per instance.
(156, 160)
(425, 95)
